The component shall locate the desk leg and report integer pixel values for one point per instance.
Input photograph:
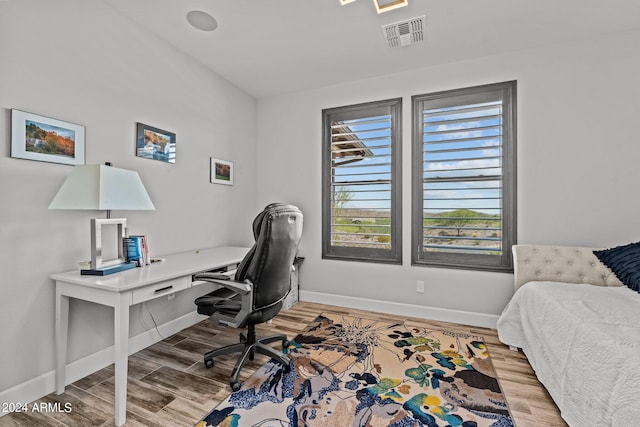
(62, 327)
(121, 344)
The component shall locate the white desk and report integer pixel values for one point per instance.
(124, 289)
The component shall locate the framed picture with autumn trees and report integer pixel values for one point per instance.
(156, 144)
(44, 139)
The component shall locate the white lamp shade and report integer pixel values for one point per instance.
(101, 187)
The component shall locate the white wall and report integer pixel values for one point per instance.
(578, 155)
(82, 62)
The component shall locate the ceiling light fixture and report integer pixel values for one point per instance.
(202, 20)
(387, 5)
(382, 5)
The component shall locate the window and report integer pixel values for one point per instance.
(361, 188)
(464, 180)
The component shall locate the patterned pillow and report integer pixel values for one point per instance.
(624, 261)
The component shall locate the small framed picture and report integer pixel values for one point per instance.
(221, 171)
(156, 144)
(35, 137)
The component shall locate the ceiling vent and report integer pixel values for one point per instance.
(405, 33)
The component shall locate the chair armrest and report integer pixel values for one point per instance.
(206, 276)
(242, 288)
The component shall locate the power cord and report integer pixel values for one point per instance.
(155, 324)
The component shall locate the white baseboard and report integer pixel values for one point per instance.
(44, 384)
(433, 313)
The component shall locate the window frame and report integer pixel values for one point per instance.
(392, 107)
(506, 91)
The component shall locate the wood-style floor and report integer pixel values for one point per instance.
(169, 385)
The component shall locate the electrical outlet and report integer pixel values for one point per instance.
(420, 287)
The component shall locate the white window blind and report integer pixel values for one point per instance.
(360, 187)
(466, 185)
(462, 181)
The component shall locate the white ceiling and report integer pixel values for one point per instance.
(269, 47)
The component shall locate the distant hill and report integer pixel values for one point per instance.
(464, 213)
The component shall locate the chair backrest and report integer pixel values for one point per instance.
(277, 231)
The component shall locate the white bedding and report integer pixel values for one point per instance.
(583, 342)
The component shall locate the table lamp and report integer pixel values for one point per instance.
(103, 187)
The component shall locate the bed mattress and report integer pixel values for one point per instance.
(583, 342)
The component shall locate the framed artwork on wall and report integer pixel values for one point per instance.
(44, 139)
(156, 144)
(221, 171)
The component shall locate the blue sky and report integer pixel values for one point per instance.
(467, 138)
(375, 133)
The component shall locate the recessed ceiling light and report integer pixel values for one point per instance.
(202, 20)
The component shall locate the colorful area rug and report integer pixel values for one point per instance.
(348, 371)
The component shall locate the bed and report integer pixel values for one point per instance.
(579, 326)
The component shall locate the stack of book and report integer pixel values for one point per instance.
(136, 249)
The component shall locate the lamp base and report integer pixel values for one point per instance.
(97, 260)
(108, 270)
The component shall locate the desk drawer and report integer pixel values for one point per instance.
(160, 289)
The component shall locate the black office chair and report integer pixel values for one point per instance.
(260, 285)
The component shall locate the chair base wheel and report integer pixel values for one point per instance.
(235, 386)
(208, 363)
